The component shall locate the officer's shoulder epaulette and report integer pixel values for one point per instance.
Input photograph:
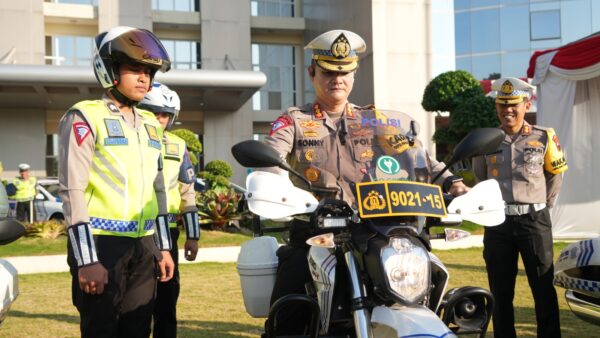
(173, 137)
(367, 107)
(536, 127)
(299, 111)
(81, 105)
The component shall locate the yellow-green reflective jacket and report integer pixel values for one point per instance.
(25, 189)
(173, 150)
(120, 193)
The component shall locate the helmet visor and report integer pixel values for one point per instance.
(141, 46)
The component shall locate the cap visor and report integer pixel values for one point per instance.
(337, 66)
(509, 100)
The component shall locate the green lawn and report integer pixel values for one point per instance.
(211, 303)
(31, 246)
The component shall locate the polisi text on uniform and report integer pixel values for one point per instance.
(309, 143)
(374, 122)
(362, 141)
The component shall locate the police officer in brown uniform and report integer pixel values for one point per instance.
(529, 166)
(329, 143)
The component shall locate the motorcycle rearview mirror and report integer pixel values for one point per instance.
(255, 154)
(10, 231)
(479, 141)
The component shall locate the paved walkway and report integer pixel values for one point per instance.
(58, 263)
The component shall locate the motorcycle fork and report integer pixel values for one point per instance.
(360, 312)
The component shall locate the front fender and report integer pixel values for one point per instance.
(404, 321)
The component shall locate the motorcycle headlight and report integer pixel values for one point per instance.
(407, 269)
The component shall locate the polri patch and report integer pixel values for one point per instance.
(280, 123)
(152, 132)
(154, 140)
(172, 150)
(81, 131)
(114, 128)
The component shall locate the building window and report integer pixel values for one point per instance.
(283, 8)
(78, 2)
(176, 5)
(278, 62)
(545, 25)
(183, 54)
(69, 51)
(52, 155)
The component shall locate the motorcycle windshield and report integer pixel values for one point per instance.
(396, 188)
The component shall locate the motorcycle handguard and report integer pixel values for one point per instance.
(274, 196)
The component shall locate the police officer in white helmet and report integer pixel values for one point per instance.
(23, 190)
(181, 203)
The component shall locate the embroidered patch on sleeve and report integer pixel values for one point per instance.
(280, 123)
(81, 130)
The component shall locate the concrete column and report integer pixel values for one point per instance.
(226, 45)
(134, 13)
(25, 19)
(25, 143)
(402, 60)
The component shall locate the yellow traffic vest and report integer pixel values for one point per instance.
(173, 150)
(25, 189)
(120, 193)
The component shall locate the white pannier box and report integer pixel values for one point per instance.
(257, 267)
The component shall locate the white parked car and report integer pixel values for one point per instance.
(10, 230)
(48, 205)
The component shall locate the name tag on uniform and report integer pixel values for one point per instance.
(116, 141)
(172, 151)
(154, 141)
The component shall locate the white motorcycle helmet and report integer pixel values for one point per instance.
(161, 99)
(127, 44)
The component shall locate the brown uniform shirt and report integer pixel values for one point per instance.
(331, 154)
(518, 166)
(74, 166)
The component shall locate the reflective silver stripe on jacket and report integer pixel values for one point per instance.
(114, 171)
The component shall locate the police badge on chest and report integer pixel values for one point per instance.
(534, 160)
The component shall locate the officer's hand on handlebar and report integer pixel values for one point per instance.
(92, 278)
(166, 266)
(458, 188)
(190, 249)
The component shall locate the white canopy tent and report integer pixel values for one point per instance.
(568, 90)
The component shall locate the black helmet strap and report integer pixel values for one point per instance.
(122, 98)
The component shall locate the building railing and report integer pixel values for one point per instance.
(282, 8)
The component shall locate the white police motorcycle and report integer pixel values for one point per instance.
(10, 230)
(373, 274)
(577, 270)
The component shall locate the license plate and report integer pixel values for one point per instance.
(399, 198)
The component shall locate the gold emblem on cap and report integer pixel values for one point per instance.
(340, 48)
(507, 87)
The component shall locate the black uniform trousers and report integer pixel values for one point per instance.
(292, 275)
(125, 307)
(167, 293)
(23, 211)
(531, 236)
